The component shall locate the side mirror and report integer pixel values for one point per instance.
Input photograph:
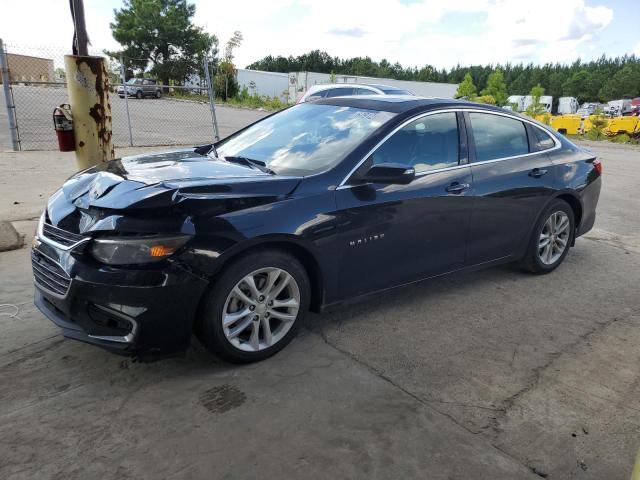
(389, 173)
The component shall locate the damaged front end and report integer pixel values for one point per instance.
(125, 250)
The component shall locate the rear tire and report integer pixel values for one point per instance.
(551, 239)
(244, 323)
(158, 94)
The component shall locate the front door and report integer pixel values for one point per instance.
(392, 234)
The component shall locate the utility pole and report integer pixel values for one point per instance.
(88, 87)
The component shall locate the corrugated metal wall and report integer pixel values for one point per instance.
(270, 84)
(296, 83)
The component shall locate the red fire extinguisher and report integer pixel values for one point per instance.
(63, 124)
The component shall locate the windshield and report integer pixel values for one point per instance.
(304, 139)
(132, 81)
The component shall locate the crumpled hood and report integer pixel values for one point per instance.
(162, 180)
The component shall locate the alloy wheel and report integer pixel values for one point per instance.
(554, 238)
(260, 309)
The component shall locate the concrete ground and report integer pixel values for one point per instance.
(489, 375)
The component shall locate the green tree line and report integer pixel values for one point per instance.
(604, 79)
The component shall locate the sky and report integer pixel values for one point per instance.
(442, 33)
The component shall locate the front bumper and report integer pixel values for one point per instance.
(145, 311)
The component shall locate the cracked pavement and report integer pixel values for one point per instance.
(494, 374)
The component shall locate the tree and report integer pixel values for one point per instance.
(624, 84)
(581, 85)
(160, 33)
(489, 99)
(233, 43)
(466, 88)
(225, 81)
(59, 75)
(589, 82)
(496, 88)
(536, 108)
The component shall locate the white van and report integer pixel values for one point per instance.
(567, 105)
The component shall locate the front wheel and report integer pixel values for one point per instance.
(254, 308)
(139, 95)
(551, 238)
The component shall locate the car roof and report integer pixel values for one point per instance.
(400, 103)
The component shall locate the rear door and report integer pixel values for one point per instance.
(392, 234)
(513, 179)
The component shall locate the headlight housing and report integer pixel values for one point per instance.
(133, 250)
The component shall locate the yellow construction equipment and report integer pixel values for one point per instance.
(566, 124)
(587, 123)
(620, 125)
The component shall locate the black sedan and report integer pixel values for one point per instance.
(312, 206)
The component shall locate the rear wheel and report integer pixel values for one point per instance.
(255, 307)
(158, 94)
(551, 238)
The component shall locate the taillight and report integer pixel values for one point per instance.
(597, 164)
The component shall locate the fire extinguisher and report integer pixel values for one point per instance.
(63, 124)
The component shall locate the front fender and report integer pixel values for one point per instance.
(301, 225)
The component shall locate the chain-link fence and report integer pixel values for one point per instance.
(144, 112)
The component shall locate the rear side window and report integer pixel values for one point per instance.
(545, 141)
(397, 92)
(316, 96)
(497, 136)
(365, 91)
(339, 92)
(429, 143)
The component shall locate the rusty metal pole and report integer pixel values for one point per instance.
(88, 87)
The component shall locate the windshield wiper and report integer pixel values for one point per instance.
(250, 162)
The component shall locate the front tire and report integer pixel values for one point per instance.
(254, 308)
(551, 238)
(139, 95)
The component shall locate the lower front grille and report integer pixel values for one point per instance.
(49, 275)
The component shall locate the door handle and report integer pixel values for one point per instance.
(456, 187)
(537, 172)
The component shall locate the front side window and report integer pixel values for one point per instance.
(429, 143)
(305, 139)
(497, 136)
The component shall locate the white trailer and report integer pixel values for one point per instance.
(567, 105)
(546, 100)
(615, 108)
(516, 102)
